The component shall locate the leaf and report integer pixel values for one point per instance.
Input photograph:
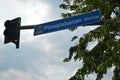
(64, 6)
(74, 38)
(100, 68)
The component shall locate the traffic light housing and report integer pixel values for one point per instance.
(12, 31)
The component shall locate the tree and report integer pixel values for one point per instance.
(104, 55)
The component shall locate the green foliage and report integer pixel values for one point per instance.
(106, 53)
(74, 38)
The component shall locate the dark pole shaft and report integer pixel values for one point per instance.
(32, 26)
(27, 27)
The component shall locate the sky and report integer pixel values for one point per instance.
(39, 57)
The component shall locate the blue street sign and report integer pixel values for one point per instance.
(74, 21)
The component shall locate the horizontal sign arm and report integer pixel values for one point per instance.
(32, 26)
(27, 27)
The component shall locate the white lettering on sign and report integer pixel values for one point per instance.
(91, 18)
(60, 25)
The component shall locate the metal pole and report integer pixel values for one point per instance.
(32, 26)
(27, 27)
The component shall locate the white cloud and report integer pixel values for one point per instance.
(13, 74)
(38, 12)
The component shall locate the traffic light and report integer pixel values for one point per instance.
(12, 31)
